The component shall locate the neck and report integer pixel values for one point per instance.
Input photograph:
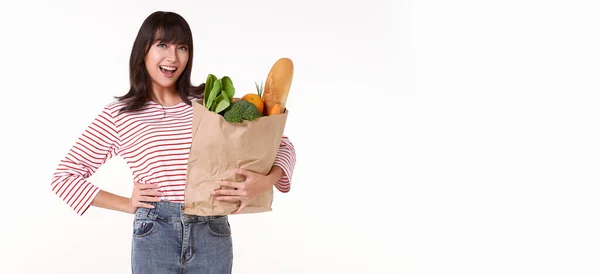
(165, 96)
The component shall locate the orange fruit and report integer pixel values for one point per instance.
(276, 109)
(256, 100)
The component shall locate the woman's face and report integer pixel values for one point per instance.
(165, 62)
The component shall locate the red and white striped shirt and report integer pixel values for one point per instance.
(155, 142)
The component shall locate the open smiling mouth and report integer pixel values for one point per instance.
(168, 70)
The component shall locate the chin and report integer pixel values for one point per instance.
(168, 85)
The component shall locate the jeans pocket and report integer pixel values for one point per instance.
(219, 226)
(142, 228)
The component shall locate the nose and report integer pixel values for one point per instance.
(171, 54)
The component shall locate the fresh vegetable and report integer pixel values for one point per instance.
(233, 115)
(251, 113)
(270, 98)
(255, 98)
(276, 109)
(218, 93)
(241, 110)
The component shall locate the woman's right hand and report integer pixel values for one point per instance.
(143, 193)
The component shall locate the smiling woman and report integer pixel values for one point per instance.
(150, 127)
(161, 58)
(166, 58)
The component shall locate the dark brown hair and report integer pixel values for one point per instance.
(163, 26)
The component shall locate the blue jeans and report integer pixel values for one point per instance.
(165, 240)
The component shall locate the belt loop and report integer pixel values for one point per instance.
(151, 214)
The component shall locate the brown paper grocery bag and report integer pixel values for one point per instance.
(219, 147)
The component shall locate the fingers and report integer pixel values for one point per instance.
(229, 198)
(149, 192)
(229, 192)
(231, 184)
(151, 196)
(240, 208)
(238, 194)
(146, 186)
(144, 205)
(145, 193)
(147, 199)
(241, 171)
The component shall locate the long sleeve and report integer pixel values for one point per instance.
(286, 160)
(97, 144)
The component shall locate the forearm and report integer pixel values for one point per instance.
(275, 174)
(112, 201)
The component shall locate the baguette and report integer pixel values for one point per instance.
(277, 85)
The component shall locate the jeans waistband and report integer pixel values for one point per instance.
(169, 212)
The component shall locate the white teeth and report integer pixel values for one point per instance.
(168, 68)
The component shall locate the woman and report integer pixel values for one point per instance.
(150, 127)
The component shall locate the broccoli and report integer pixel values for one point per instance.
(251, 113)
(241, 110)
(233, 115)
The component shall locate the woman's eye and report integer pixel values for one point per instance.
(183, 48)
(160, 45)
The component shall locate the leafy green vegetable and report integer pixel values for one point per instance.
(210, 79)
(216, 89)
(218, 97)
(218, 93)
(223, 102)
(228, 87)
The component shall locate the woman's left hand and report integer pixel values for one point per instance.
(244, 192)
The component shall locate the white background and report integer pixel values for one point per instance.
(431, 136)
